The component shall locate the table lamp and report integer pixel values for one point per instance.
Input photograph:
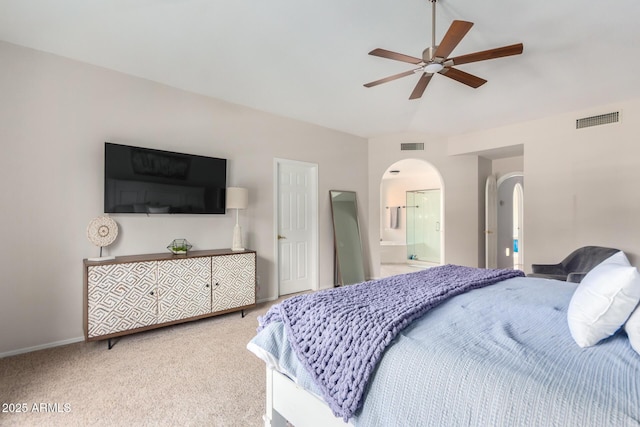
(237, 198)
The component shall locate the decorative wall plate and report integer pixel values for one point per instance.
(102, 231)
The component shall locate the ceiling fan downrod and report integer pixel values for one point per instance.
(428, 56)
(433, 23)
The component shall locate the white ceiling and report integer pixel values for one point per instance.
(308, 59)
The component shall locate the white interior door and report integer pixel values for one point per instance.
(491, 223)
(297, 226)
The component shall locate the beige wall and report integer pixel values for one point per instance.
(56, 115)
(580, 185)
(501, 167)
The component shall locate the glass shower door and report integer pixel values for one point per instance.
(423, 225)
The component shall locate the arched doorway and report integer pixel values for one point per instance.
(510, 209)
(518, 225)
(411, 217)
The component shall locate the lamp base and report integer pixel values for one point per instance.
(237, 239)
(102, 258)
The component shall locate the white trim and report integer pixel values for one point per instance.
(41, 347)
(491, 222)
(313, 169)
(507, 176)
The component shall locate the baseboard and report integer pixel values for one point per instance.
(41, 347)
(267, 299)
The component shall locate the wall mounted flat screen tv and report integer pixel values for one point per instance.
(143, 180)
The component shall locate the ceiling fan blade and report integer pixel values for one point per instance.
(390, 78)
(395, 56)
(421, 86)
(454, 35)
(462, 77)
(514, 49)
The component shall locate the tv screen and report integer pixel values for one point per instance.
(143, 180)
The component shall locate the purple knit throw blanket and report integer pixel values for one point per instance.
(340, 334)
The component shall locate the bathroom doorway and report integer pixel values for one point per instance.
(411, 217)
(510, 231)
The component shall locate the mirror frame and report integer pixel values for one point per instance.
(338, 251)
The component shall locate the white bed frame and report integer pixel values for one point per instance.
(288, 402)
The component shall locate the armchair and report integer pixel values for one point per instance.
(575, 266)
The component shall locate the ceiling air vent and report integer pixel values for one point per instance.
(404, 146)
(602, 119)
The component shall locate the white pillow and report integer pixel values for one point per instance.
(603, 300)
(633, 329)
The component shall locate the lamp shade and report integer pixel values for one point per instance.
(237, 198)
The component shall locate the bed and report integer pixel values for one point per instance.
(499, 354)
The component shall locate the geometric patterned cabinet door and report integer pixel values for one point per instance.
(121, 297)
(234, 281)
(184, 288)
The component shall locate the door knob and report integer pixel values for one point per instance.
(281, 237)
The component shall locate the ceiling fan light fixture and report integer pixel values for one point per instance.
(434, 67)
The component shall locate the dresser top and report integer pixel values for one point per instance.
(166, 256)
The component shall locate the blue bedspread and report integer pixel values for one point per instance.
(340, 334)
(500, 356)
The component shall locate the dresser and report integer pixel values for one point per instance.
(130, 294)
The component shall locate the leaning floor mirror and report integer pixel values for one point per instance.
(349, 262)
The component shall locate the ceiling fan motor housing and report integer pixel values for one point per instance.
(431, 64)
(428, 54)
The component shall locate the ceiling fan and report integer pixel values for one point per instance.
(435, 58)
